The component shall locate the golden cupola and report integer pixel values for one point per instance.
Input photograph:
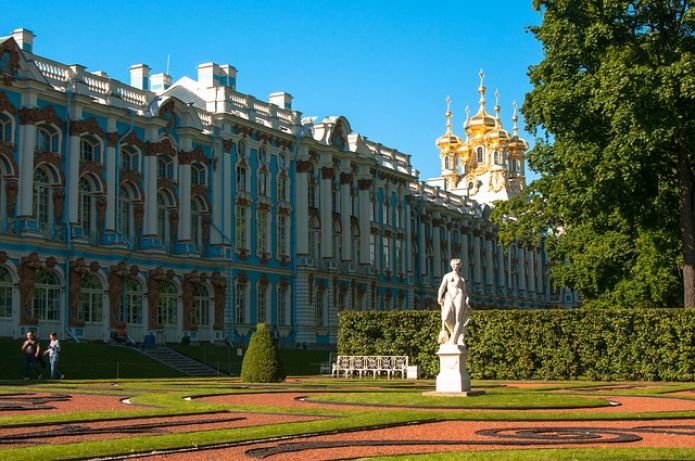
(482, 122)
(517, 148)
(448, 145)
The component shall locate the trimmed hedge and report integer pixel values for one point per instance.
(597, 344)
(261, 362)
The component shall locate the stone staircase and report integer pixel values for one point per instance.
(180, 362)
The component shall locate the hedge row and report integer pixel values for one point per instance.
(607, 345)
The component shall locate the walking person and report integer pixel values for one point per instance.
(53, 354)
(31, 350)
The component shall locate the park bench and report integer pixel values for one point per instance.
(376, 365)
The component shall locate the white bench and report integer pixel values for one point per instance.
(363, 365)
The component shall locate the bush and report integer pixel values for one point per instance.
(598, 344)
(261, 362)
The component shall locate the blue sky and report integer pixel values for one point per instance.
(385, 65)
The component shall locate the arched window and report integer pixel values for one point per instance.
(90, 149)
(126, 222)
(130, 159)
(240, 302)
(262, 232)
(197, 211)
(6, 128)
(497, 158)
(91, 306)
(386, 252)
(6, 292)
(480, 155)
(399, 256)
(198, 174)
(132, 301)
(200, 314)
(42, 198)
(261, 303)
(314, 238)
(283, 192)
(47, 139)
(262, 183)
(241, 178)
(240, 223)
(311, 188)
(87, 209)
(165, 204)
(283, 312)
(283, 235)
(166, 310)
(165, 167)
(47, 295)
(262, 156)
(319, 306)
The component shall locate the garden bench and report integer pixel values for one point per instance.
(376, 365)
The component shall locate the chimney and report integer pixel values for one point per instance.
(159, 83)
(140, 76)
(24, 38)
(281, 99)
(229, 73)
(209, 75)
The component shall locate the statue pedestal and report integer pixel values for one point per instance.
(453, 377)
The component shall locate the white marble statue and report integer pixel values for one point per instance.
(453, 299)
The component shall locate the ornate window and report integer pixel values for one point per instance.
(198, 174)
(126, 222)
(6, 128)
(42, 197)
(319, 306)
(132, 301)
(240, 222)
(480, 155)
(311, 189)
(130, 159)
(165, 167)
(165, 205)
(263, 183)
(283, 303)
(386, 214)
(86, 208)
(283, 235)
(47, 298)
(240, 302)
(372, 249)
(387, 253)
(399, 256)
(90, 149)
(283, 186)
(91, 306)
(47, 139)
(200, 314)
(241, 178)
(166, 309)
(261, 303)
(314, 238)
(263, 234)
(497, 157)
(6, 291)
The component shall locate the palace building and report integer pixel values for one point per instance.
(189, 208)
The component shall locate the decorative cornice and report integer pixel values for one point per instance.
(194, 156)
(128, 175)
(364, 184)
(327, 173)
(6, 105)
(164, 146)
(345, 178)
(303, 166)
(10, 48)
(33, 116)
(89, 126)
(89, 166)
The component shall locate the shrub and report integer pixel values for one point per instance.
(261, 363)
(599, 344)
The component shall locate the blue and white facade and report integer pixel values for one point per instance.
(190, 208)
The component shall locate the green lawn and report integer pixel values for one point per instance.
(86, 360)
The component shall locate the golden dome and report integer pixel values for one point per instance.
(517, 145)
(482, 122)
(448, 142)
(497, 133)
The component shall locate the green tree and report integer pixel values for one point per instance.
(261, 362)
(614, 98)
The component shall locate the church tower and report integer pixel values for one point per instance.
(489, 164)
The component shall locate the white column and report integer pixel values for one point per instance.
(489, 272)
(27, 143)
(73, 178)
(184, 202)
(501, 277)
(345, 213)
(326, 212)
(422, 248)
(227, 193)
(150, 225)
(522, 269)
(437, 247)
(510, 270)
(476, 258)
(217, 188)
(364, 221)
(111, 187)
(302, 202)
(407, 247)
(532, 272)
(465, 263)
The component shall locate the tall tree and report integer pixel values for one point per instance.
(614, 98)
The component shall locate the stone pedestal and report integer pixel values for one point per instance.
(452, 377)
